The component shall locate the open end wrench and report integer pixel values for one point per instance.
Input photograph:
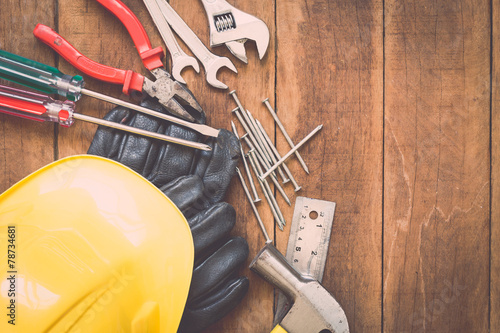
(233, 27)
(211, 62)
(180, 59)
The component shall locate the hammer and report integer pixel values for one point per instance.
(314, 309)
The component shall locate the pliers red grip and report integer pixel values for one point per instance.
(129, 79)
(151, 58)
(170, 93)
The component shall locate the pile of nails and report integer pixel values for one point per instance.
(262, 154)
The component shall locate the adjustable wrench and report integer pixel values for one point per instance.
(210, 61)
(180, 59)
(233, 27)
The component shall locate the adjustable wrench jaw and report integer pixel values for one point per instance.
(176, 98)
(237, 48)
(233, 27)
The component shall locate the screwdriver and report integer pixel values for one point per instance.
(35, 106)
(50, 80)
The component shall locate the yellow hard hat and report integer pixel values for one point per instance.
(88, 245)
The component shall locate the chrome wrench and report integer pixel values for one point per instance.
(180, 59)
(233, 27)
(211, 62)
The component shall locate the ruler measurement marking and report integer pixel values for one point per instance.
(308, 242)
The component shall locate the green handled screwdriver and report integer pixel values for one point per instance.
(51, 81)
(39, 107)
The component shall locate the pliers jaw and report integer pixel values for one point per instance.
(175, 97)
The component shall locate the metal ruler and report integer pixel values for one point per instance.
(308, 241)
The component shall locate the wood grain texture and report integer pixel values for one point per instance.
(330, 71)
(403, 89)
(495, 173)
(25, 145)
(436, 198)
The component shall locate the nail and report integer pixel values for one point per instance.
(294, 149)
(251, 142)
(266, 185)
(265, 189)
(259, 157)
(255, 211)
(273, 177)
(249, 132)
(237, 100)
(247, 169)
(277, 156)
(285, 134)
(251, 125)
(264, 145)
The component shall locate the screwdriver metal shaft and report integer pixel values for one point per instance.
(203, 129)
(142, 132)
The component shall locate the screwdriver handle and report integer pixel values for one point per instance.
(151, 58)
(129, 79)
(39, 76)
(33, 106)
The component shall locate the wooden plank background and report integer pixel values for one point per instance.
(408, 95)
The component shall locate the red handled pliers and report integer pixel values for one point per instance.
(170, 93)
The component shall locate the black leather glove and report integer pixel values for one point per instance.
(196, 181)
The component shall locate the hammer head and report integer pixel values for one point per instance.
(314, 309)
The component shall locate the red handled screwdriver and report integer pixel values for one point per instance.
(39, 107)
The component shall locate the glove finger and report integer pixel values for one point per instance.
(157, 161)
(148, 156)
(217, 269)
(184, 192)
(197, 318)
(173, 160)
(217, 167)
(116, 144)
(209, 227)
(135, 150)
(106, 141)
